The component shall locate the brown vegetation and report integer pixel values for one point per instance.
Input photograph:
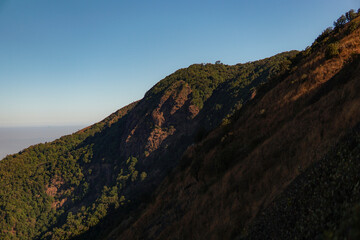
(239, 169)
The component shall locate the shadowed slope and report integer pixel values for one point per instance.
(322, 203)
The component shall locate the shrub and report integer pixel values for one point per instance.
(340, 22)
(307, 51)
(324, 34)
(353, 26)
(332, 50)
(350, 15)
(143, 175)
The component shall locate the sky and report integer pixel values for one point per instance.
(74, 62)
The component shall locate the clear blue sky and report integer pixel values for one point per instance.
(76, 61)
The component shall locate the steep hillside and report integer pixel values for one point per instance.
(206, 150)
(223, 182)
(322, 203)
(62, 189)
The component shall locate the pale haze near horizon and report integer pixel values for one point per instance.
(15, 139)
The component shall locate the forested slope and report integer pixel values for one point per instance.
(62, 189)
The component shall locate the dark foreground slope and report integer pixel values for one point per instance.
(223, 182)
(62, 189)
(322, 203)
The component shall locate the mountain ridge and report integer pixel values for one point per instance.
(198, 157)
(116, 163)
(241, 169)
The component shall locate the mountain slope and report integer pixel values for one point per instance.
(224, 181)
(62, 189)
(322, 203)
(200, 156)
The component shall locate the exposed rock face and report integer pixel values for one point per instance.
(149, 127)
(55, 190)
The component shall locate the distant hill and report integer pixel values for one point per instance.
(202, 156)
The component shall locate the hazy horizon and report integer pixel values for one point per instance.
(15, 139)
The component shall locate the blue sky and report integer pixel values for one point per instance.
(76, 61)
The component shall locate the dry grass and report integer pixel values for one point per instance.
(302, 118)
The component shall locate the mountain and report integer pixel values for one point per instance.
(210, 151)
(59, 190)
(226, 182)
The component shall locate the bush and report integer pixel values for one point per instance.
(340, 22)
(324, 34)
(332, 50)
(307, 51)
(353, 26)
(350, 15)
(143, 175)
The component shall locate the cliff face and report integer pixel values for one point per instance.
(223, 182)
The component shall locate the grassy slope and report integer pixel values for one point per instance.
(322, 203)
(239, 169)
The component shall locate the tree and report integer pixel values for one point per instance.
(340, 22)
(350, 15)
